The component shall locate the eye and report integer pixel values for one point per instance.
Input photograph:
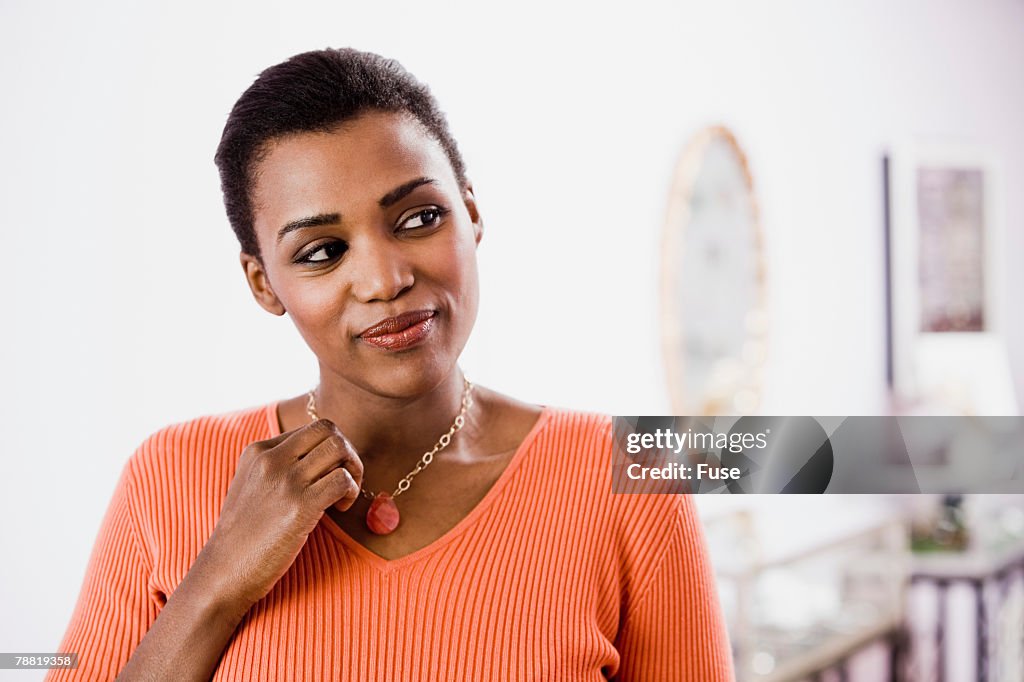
(323, 253)
(426, 217)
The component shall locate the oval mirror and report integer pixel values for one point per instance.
(714, 322)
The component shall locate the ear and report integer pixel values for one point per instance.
(474, 212)
(259, 284)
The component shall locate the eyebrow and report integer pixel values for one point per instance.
(310, 221)
(389, 199)
(400, 192)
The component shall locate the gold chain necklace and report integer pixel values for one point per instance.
(382, 517)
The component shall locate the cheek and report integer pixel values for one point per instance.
(315, 318)
(313, 306)
(451, 274)
(461, 271)
(469, 296)
(309, 301)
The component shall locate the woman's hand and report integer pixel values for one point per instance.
(278, 495)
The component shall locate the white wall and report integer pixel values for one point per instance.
(126, 308)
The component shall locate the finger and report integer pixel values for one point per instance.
(271, 442)
(303, 439)
(329, 454)
(336, 488)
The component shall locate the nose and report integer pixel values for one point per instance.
(379, 270)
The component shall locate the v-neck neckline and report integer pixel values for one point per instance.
(389, 565)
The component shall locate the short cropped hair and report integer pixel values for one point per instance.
(315, 92)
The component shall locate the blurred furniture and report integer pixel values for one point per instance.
(801, 614)
(994, 565)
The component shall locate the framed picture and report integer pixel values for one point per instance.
(947, 351)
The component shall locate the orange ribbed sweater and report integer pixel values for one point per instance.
(550, 577)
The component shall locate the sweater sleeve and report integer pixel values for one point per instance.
(114, 609)
(675, 629)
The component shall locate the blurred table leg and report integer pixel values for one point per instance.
(940, 633)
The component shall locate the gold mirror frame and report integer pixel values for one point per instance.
(677, 224)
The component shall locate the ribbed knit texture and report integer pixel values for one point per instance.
(550, 577)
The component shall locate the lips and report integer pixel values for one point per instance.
(401, 331)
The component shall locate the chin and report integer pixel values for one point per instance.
(408, 380)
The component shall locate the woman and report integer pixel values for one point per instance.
(310, 538)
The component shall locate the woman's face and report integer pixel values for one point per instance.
(360, 225)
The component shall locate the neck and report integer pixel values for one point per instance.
(393, 430)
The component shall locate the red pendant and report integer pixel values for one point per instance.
(382, 517)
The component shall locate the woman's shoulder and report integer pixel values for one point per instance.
(187, 465)
(577, 453)
(580, 444)
(581, 438)
(580, 423)
(208, 436)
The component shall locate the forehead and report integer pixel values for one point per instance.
(350, 168)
